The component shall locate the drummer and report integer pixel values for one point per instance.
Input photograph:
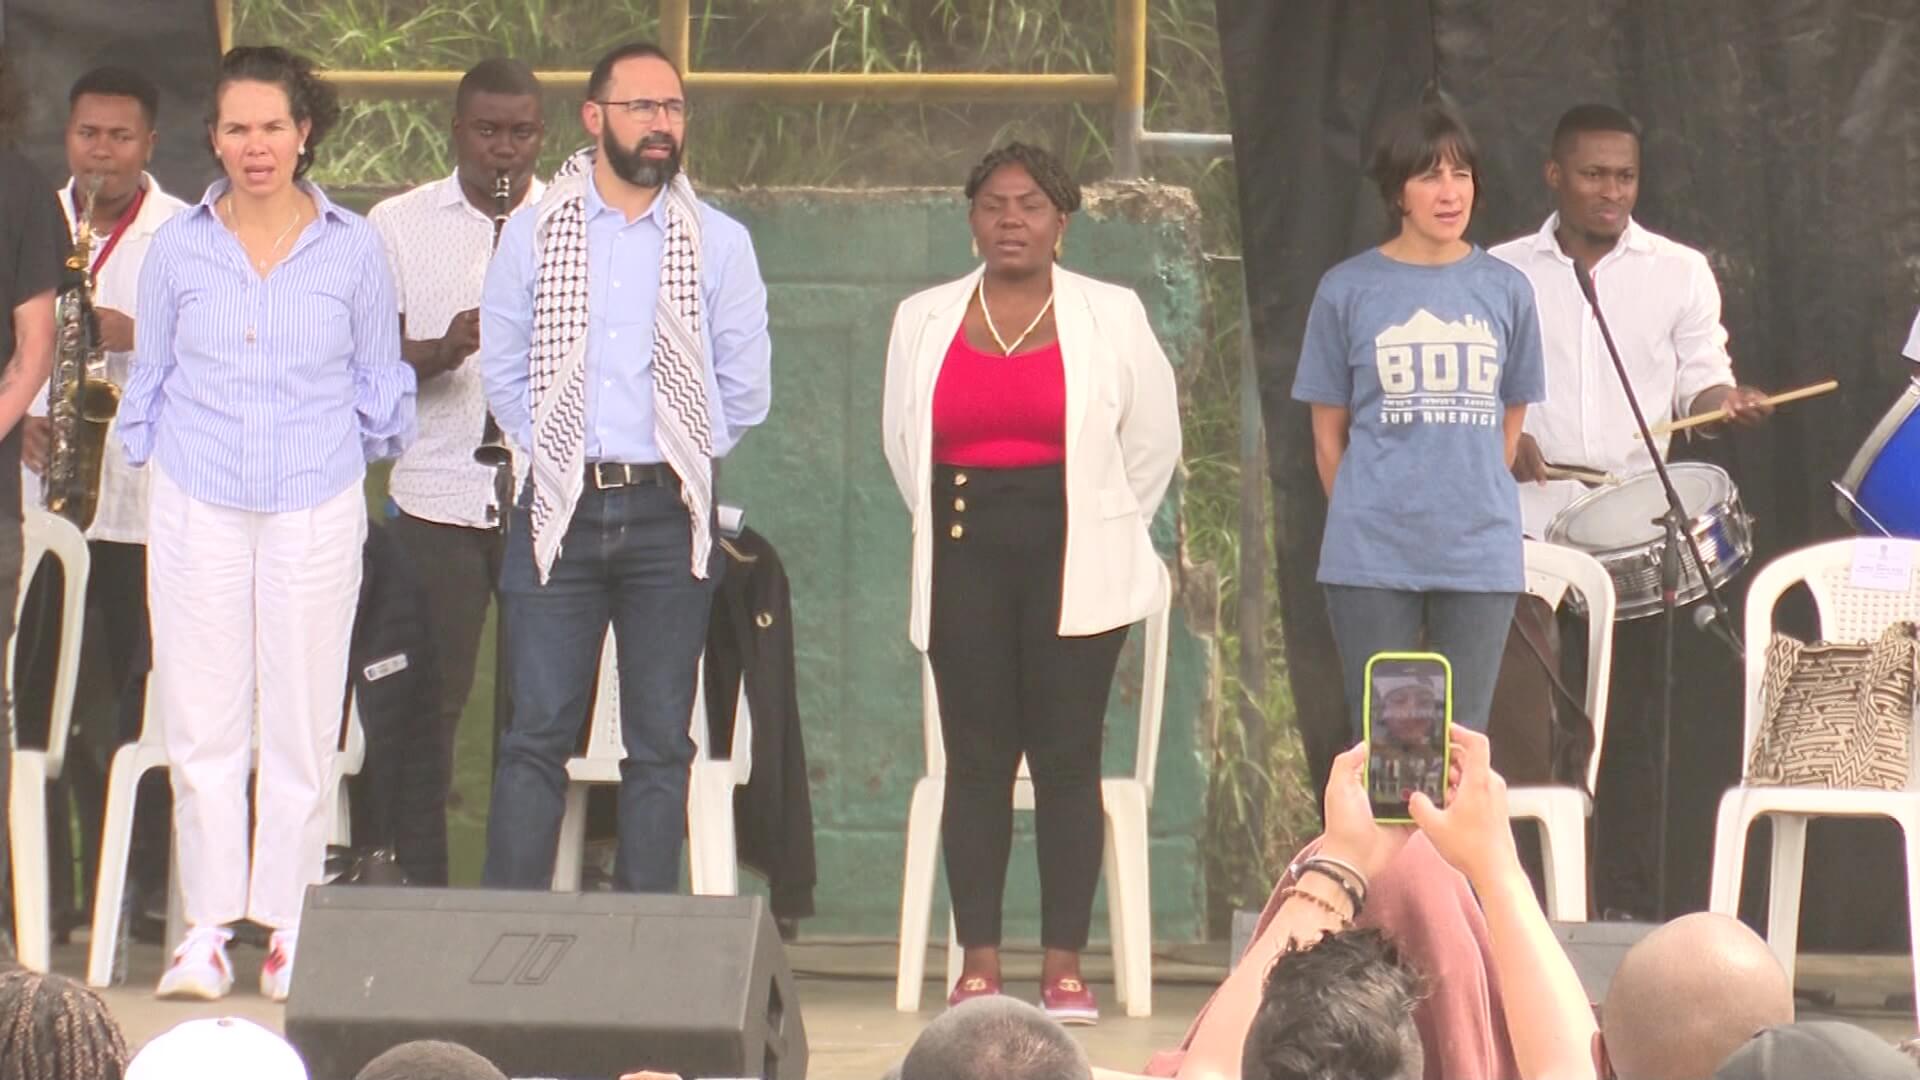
(1663, 306)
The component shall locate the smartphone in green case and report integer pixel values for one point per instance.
(1408, 720)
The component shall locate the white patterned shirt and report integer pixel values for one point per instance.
(121, 514)
(439, 245)
(1663, 307)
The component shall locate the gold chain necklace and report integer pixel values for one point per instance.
(263, 266)
(1006, 349)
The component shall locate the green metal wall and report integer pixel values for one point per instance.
(814, 481)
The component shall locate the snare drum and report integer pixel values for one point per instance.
(1880, 492)
(1621, 527)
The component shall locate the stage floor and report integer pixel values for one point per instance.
(846, 991)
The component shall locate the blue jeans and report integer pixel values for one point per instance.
(625, 564)
(1469, 629)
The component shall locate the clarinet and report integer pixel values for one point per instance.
(493, 450)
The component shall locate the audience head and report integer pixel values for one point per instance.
(223, 1049)
(1340, 1008)
(1823, 1050)
(995, 1038)
(52, 1028)
(1689, 994)
(427, 1060)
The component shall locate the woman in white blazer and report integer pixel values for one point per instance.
(1032, 425)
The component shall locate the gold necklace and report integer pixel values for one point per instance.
(1006, 349)
(261, 265)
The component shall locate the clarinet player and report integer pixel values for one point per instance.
(447, 505)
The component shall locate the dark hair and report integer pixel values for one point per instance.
(1415, 141)
(498, 75)
(1046, 170)
(52, 1028)
(1582, 119)
(309, 97)
(113, 81)
(603, 71)
(428, 1060)
(1340, 1008)
(995, 1038)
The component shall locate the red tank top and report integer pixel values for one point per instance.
(1000, 412)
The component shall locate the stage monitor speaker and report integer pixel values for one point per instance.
(1596, 949)
(587, 986)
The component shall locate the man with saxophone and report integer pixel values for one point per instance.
(31, 246)
(110, 140)
(447, 505)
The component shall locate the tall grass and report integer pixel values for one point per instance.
(401, 142)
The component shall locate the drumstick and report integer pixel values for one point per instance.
(1590, 477)
(1718, 415)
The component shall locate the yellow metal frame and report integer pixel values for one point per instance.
(1125, 89)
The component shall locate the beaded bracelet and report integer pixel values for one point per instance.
(1292, 891)
(1355, 897)
(1358, 879)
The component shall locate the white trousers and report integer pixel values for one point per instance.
(251, 609)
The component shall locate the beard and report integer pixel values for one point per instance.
(631, 164)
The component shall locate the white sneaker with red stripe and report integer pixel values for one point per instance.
(276, 974)
(200, 970)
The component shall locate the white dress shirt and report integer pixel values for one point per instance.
(121, 515)
(439, 245)
(1663, 306)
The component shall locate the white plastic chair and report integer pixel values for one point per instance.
(1562, 811)
(1127, 800)
(1847, 613)
(131, 762)
(712, 862)
(33, 770)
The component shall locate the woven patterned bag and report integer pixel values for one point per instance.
(1838, 715)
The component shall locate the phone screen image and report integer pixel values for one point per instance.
(1409, 710)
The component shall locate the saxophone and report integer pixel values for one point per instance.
(81, 401)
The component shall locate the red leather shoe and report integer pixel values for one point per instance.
(1069, 1001)
(972, 986)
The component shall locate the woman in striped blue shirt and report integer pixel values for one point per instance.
(267, 373)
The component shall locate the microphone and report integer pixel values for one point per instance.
(1707, 620)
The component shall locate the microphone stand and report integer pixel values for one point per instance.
(1674, 521)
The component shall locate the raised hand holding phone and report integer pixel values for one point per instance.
(1408, 716)
(1472, 833)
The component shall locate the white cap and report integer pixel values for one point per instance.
(225, 1049)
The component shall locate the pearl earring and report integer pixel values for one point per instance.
(975, 245)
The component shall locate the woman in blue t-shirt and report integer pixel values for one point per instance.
(1420, 358)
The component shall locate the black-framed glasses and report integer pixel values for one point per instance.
(645, 109)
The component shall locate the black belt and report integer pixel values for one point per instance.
(605, 475)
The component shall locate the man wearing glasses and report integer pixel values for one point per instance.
(447, 513)
(623, 344)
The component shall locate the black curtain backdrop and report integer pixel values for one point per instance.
(1780, 139)
(49, 43)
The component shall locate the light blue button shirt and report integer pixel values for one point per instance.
(623, 287)
(267, 394)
